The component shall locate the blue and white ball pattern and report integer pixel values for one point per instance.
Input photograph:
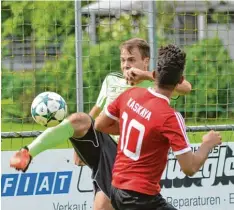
(49, 109)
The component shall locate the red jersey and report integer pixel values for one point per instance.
(149, 127)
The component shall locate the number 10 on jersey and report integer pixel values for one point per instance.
(126, 139)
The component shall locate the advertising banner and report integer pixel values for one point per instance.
(53, 182)
(210, 188)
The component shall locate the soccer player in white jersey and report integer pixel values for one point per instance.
(96, 149)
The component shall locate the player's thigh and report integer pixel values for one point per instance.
(102, 202)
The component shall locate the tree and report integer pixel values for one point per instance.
(52, 23)
(209, 68)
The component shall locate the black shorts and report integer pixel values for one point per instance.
(130, 200)
(98, 151)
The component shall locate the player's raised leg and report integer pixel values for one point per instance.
(76, 125)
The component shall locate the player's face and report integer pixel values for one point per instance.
(133, 59)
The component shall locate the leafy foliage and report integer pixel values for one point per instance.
(209, 69)
(122, 28)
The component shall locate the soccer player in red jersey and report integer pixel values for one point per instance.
(149, 127)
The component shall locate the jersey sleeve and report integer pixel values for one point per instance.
(113, 109)
(175, 131)
(101, 100)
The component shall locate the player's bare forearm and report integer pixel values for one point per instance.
(107, 125)
(147, 75)
(182, 89)
(200, 156)
(209, 141)
(190, 163)
(134, 76)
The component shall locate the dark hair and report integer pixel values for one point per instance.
(139, 43)
(171, 62)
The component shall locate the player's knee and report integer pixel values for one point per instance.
(81, 123)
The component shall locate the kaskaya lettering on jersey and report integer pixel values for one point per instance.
(42, 183)
(219, 168)
(140, 110)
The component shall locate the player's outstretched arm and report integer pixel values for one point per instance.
(182, 89)
(135, 75)
(190, 162)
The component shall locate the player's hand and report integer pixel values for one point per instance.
(135, 75)
(21, 160)
(213, 138)
(77, 160)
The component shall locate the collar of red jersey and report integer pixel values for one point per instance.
(152, 91)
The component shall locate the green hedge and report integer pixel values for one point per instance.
(209, 68)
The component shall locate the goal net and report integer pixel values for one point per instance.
(39, 54)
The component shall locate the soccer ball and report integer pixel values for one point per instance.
(48, 109)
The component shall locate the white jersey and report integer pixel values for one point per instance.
(113, 85)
